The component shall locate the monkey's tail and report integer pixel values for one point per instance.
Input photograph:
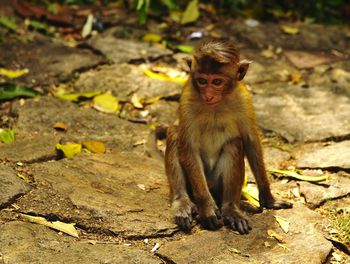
(151, 145)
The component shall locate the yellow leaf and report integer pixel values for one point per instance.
(70, 149)
(295, 174)
(284, 224)
(106, 103)
(162, 77)
(13, 74)
(191, 13)
(289, 30)
(94, 146)
(136, 101)
(7, 135)
(76, 96)
(151, 37)
(60, 226)
(250, 192)
(60, 126)
(152, 100)
(275, 235)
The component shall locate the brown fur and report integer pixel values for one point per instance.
(205, 152)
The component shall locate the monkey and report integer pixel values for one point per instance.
(204, 157)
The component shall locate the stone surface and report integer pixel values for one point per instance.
(335, 155)
(303, 114)
(22, 242)
(124, 80)
(11, 186)
(39, 117)
(124, 193)
(311, 37)
(48, 62)
(225, 246)
(120, 50)
(315, 195)
(33, 148)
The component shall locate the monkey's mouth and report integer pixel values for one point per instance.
(212, 103)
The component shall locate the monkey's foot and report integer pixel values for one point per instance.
(275, 204)
(184, 209)
(237, 222)
(212, 220)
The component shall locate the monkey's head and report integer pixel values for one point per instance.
(216, 69)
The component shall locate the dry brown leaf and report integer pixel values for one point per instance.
(94, 146)
(60, 126)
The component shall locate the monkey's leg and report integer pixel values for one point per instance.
(180, 201)
(231, 167)
(254, 154)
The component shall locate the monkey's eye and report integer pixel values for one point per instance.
(217, 82)
(201, 81)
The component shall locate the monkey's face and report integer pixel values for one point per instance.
(211, 87)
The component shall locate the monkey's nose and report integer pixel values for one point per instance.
(209, 98)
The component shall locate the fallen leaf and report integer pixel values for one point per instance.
(94, 146)
(70, 149)
(77, 96)
(136, 101)
(283, 246)
(185, 48)
(162, 77)
(250, 192)
(13, 73)
(7, 135)
(38, 26)
(152, 37)
(191, 13)
(155, 248)
(296, 175)
(106, 103)
(289, 30)
(10, 91)
(87, 28)
(9, 23)
(58, 225)
(275, 235)
(60, 126)
(284, 224)
(23, 177)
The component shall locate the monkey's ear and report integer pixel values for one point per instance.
(187, 64)
(242, 69)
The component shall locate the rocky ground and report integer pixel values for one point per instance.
(118, 200)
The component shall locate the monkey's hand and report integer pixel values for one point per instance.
(235, 220)
(184, 209)
(210, 216)
(271, 203)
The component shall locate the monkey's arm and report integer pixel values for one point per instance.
(253, 151)
(209, 213)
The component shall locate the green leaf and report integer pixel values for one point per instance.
(185, 48)
(38, 26)
(170, 4)
(70, 149)
(9, 23)
(7, 135)
(75, 97)
(152, 37)
(9, 91)
(106, 103)
(296, 175)
(191, 13)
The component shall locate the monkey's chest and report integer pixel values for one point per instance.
(211, 142)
